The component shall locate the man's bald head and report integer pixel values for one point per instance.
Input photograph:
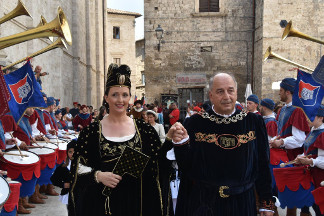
(221, 75)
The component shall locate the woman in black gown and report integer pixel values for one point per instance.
(98, 149)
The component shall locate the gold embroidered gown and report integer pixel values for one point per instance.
(132, 196)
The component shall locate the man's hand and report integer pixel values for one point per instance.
(52, 131)
(304, 160)
(276, 143)
(12, 141)
(23, 146)
(177, 132)
(33, 140)
(1, 153)
(66, 185)
(80, 126)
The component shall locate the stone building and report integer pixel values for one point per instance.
(121, 40)
(75, 74)
(202, 37)
(140, 73)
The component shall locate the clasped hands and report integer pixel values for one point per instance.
(177, 132)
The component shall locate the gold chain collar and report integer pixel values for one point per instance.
(229, 120)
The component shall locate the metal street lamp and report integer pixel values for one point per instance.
(159, 35)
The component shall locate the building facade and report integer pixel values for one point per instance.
(75, 74)
(140, 72)
(121, 41)
(203, 37)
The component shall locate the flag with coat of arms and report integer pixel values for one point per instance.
(308, 94)
(24, 91)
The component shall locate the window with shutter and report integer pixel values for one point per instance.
(208, 5)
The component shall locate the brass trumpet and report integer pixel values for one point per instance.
(59, 27)
(18, 11)
(58, 43)
(43, 22)
(291, 32)
(270, 55)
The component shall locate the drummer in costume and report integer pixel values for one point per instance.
(252, 103)
(83, 119)
(50, 123)
(97, 151)
(292, 126)
(224, 156)
(12, 130)
(136, 112)
(314, 146)
(37, 128)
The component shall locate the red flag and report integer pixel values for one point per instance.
(4, 96)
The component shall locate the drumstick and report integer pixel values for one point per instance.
(292, 162)
(35, 146)
(13, 154)
(16, 145)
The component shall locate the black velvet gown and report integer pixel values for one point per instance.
(132, 196)
(232, 152)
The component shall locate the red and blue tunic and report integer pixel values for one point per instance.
(288, 117)
(313, 142)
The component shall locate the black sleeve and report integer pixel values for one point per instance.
(59, 176)
(263, 181)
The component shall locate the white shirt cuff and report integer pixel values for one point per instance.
(181, 142)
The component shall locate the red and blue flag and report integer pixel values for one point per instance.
(24, 91)
(308, 94)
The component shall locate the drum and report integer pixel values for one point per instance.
(25, 170)
(62, 153)
(25, 166)
(319, 198)
(277, 156)
(4, 191)
(48, 162)
(294, 186)
(11, 206)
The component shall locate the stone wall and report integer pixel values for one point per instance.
(76, 74)
(228, 33)
(140, 56)
(306, 17)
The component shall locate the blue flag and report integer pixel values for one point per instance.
(318, 74)
(24, 91)
(308, 94)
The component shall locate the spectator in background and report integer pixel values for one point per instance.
(144, 115)
(102, 113)
(38, 73)
(175, 113)
(75, 110)
(166, 119)
(68, 118)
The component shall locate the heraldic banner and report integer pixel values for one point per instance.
(308, 94)
(24, 91)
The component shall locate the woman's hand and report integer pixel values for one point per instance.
(109, 179)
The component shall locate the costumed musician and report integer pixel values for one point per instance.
(314, 146)
(252, 103)
(292, 127)
(83, 119)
